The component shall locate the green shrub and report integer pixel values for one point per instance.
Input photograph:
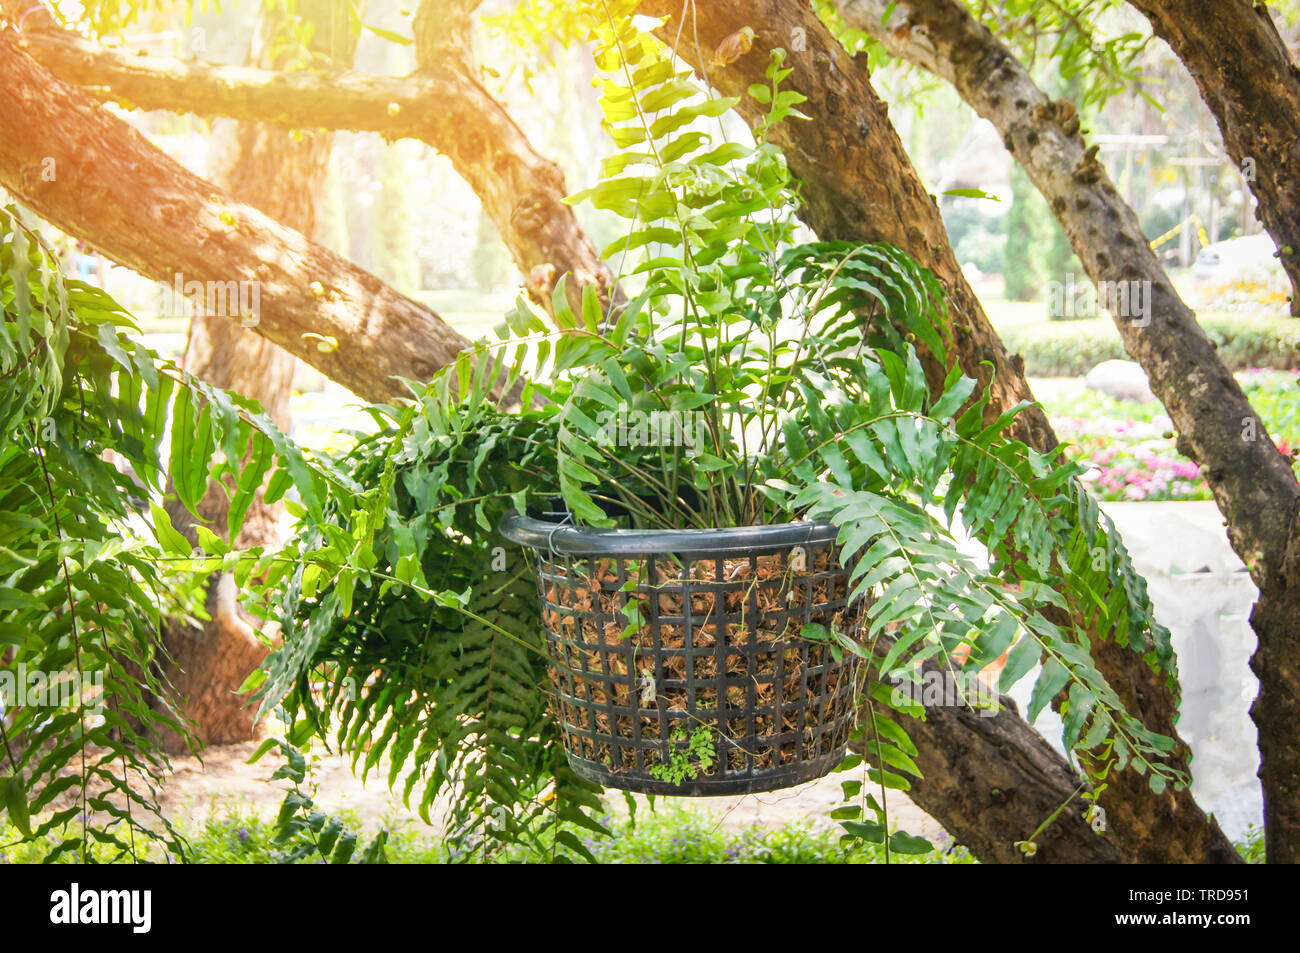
(677, 835)
(1063, 348)
(668, 835)
(1072, 348)
(1251, 845)
(1256, 342)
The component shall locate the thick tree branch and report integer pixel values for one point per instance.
(304, 99)
(442, 104)
(84, 170)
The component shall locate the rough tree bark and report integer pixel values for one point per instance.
(89, 173)
(859, 184)
(1252, 482)
(1247, 77)
(281, 175)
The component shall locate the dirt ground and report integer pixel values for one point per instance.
(224, 781)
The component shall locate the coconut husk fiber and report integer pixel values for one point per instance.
(645, 650)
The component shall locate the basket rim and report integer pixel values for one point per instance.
(568, 540)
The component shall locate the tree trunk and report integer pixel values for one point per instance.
(280, 175)
(1248, 79)
(859, 184)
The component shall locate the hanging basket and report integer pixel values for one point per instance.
(676, 655)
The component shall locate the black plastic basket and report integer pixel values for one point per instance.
(716, 649)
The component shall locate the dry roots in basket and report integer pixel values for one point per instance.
(647, 647)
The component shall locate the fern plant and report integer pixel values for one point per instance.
(92, 423)
(447, 687)
(797, 364)
(691, 757)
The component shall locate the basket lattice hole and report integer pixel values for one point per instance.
(704, 667)
(706, 699)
